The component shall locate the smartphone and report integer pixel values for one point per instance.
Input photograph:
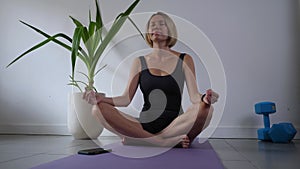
(94, 151)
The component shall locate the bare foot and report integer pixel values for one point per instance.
(185, 142)
(182, 141)
(135, 142)
(177, 141)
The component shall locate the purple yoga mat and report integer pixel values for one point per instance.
(198, 156)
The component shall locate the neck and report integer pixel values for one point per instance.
(161, 52)
(160, 47)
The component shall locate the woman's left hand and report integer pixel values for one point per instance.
(90, 97)
(211, 97)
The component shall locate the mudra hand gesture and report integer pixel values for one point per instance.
(210, 97)
(92, 97)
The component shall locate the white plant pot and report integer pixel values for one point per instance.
(81, 123)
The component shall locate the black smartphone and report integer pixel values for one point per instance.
(94, 151)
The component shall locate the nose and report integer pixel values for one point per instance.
(155, 26)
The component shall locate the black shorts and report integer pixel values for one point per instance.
(157, 125)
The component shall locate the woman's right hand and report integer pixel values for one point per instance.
(210, 97)
(92, 97)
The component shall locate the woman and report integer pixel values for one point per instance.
(160, 75)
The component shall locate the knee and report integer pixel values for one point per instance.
(207, 107)
(104, 111)
(95, 110)
(206, 110)
(210, 113)
(98, 109)
(211, 109)
(103, 107)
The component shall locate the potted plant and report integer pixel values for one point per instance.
(95, 38)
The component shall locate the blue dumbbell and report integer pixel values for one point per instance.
(265, 108)
(279, 133)
(282, 132)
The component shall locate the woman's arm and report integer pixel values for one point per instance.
(189, 70)
(190, 76)
(126, 98)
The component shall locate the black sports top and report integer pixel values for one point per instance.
(162, 96)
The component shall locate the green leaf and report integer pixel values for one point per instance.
(75, 47)
(85, 35)
(88, 41)
(112, 32)
(118, 17)
(78, 81)
(51, 38)
(90, 16)
(75, 83)
(136, 27)
(99, 21)
(57, 41)
(76, 22)
(92, 28)
(48, 36)
(85, 75)
(100, 69)
(95, 37)
(129, 10)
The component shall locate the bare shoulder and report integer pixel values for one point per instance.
(136, 64)
(188, 58)
(136, 61)
(188, 61)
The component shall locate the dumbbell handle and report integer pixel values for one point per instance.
(266, 121)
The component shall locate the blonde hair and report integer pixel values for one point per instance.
(172, 31)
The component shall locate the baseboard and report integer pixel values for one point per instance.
(57, 129)
(62, 129)
(240, 132)
(234, 132)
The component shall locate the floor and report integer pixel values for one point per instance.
(26, 151)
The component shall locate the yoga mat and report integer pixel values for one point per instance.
(197, 156)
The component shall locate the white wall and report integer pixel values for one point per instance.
(256, 40)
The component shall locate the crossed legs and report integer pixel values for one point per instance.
(192, 122)
(182, 130)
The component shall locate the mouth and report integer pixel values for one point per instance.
(156, 33)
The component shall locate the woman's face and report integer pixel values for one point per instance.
(158, 29)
